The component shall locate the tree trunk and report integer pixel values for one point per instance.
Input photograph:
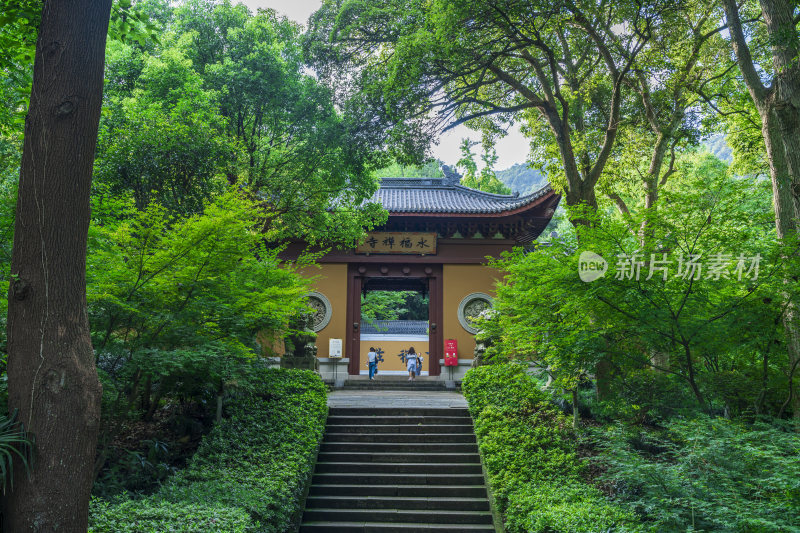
(575, 414)
(51, 369)
(218, 418)
(779, 109)
(781, 26)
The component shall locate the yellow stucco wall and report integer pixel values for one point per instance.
(391, 350)
(330, 279)
(459, 281)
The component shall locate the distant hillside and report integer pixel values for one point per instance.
(519, 178)
(716, 145)
(522, 179)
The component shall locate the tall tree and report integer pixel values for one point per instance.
(52, 376)
(669, 79)
(485, 180)
(223, 99)
(423, 66)
(778, 106)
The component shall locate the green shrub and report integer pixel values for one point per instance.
(255, 463)
(146, 516)
(643, 396)
(707, 475)
(500, 385)
(565, 505)
(531, 458)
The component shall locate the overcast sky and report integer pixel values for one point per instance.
(510, 150)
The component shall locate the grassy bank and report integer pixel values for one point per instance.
(248, 475)
(531, 457)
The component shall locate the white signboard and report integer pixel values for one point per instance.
(334, 347)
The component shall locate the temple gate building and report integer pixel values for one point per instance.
(437, 241)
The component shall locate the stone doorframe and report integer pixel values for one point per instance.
(358, 274)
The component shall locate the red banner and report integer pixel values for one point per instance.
(450, 352)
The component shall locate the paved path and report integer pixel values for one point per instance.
(395, 398)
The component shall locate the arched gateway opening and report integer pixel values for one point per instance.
(437, 240)
(395, 276)
(394, 317)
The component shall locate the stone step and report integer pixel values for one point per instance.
(396, 457)
(397, 515)
(391, 377)
(401, 428)
(444, 491)
(337, 420)
(395, 388)
(431, 438)
(396, 478)
(388, 527)
(398, 411)
(395, 381)
(404, 382)
(399, 468)
(400, 447)
(429, 503)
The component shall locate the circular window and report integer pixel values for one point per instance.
(320, 310)
(470, 307)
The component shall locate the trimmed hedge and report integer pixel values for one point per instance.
(249, 473)
(149, 516)
(530, 456)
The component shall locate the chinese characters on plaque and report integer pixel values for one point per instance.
(398, 242)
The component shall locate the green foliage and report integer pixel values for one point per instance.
(382, 305)
(175, 305)
(155, 517)
(19, 27)
(644, 395)
(707, 333)
(16, 445)
(129, 23)
(396, 170)
(418, 68)
(135, 471)
(505, 384)
(165, 141)
(531, 457)
(706, 474)
(250, 471)
(7, 211)
(222, 98)
(209, 277)
(394, 305)
(485, 180)
(310, 162)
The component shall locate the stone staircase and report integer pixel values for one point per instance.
(387, 470)
(394, 382)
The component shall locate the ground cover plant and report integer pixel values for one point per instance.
(705, 474)
(531, 457)
(250, 472)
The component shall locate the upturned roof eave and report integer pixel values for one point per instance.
(523, 204)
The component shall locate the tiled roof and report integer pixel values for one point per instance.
(446, 195)
(394, 327)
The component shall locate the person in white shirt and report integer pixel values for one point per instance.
(411, 362)
(372, 356)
